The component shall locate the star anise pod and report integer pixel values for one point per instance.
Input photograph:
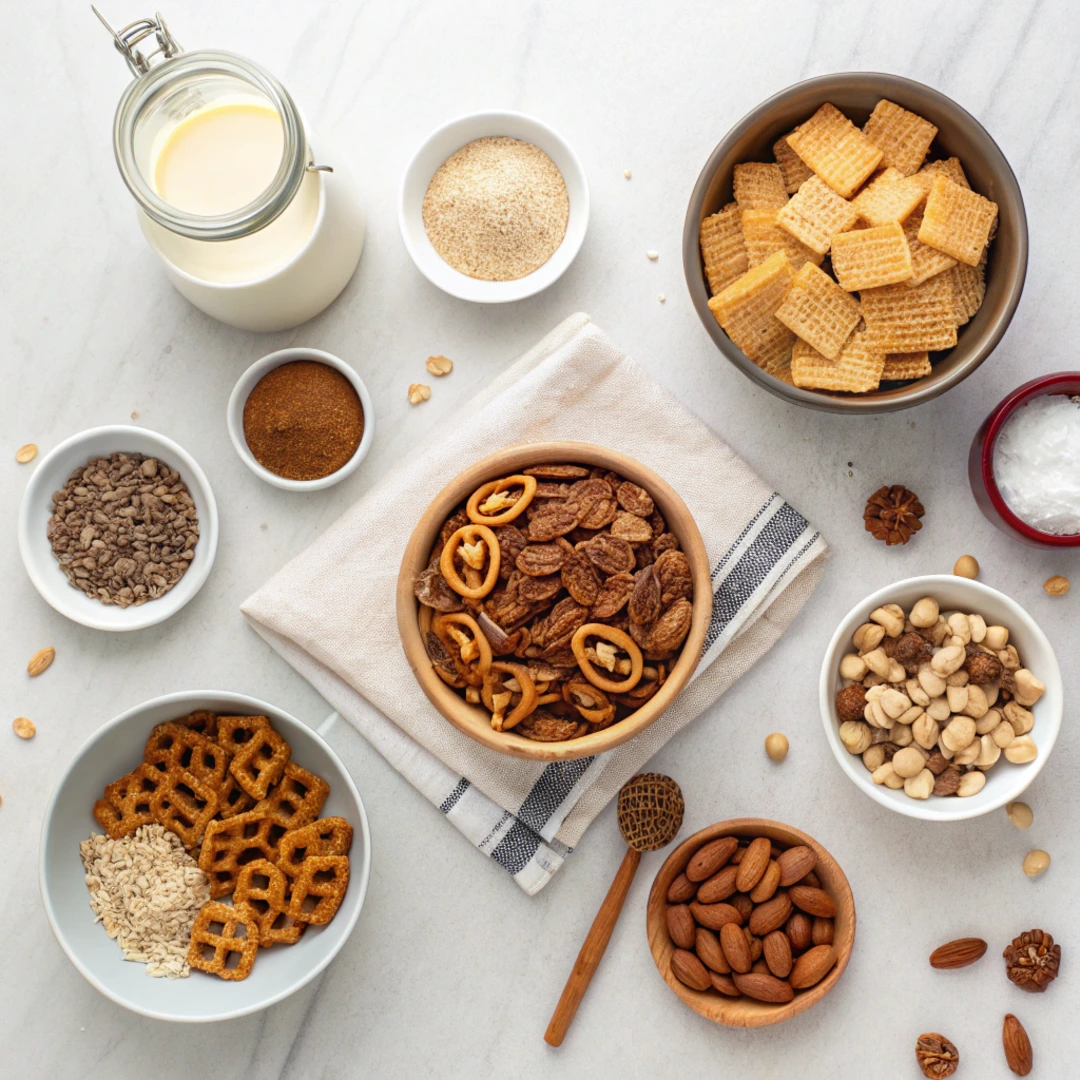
(892, 514)
(1032, 960)
(937, 1056)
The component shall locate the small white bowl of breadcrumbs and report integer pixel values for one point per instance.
(493, 207)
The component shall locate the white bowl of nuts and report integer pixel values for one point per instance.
(118, 528)
(941, 697)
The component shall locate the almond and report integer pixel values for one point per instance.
(742, 904)
(810, 879)
(813, 901)
(771, 915)
(755, 946)
(795, 864)
(681, 890)
(680, 925)
(715, 916)
(812, 966)
(959, 953)
(753, 864)
(1014, 1038)
(707, 947)
(777, 953)
(689, 970)
(719, 887)
(724, 984)
(708, 859)
(799, 931)
(764, 987)
(765, 888)
(40, 661)
(736, 948)
(821, 933)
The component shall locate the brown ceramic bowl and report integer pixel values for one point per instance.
(855, 94)
(474, 721)
(744, 1011)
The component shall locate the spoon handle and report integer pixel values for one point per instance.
(592, 950)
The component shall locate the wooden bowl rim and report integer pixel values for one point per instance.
(473, 721)
(745, 1012)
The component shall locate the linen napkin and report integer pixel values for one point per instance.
(330, 611)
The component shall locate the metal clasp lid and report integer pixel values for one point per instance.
(126, 39)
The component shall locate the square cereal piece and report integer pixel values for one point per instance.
(815, 213)
(764, 238)
(759, 186)
(957, 221)
(890, 196)
(795, 170)
(906, 319)
(949, 167)
(819, 311)
(746, 310)
(903, 137)
(722, 248)
(968, 284)
(856, 370)
(926, 262)
(870, 258)
(225, 940)
(900, 366)
(835, 149)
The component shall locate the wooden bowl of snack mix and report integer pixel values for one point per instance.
(892, 320)
(750, 922)
(941, 697)
(585, 623)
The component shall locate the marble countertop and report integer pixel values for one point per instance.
(452, 971)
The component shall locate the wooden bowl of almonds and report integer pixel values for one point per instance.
(554, 599)
(750, 922)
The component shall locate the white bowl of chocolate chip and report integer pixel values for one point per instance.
(941, 697)
(118, 528)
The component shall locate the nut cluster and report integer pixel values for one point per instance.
(931, 701)
(749, 917)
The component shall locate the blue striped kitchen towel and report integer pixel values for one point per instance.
(330, 611)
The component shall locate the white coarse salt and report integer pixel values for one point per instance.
(1037, 464)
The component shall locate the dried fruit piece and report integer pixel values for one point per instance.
(542, 726)
(538, 560)
(629, 527)
(644, 605)
(553, 519)
(959, 953)
(892, 514)
(672, 568)
(609, 554)
(635, 499)
(614, 593)
(850, 702)
(439, 365)
(670, 630)
(418, 392)
(937, 1057)
(580, 579)
(1032, 960)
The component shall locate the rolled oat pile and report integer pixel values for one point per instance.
(146, 891)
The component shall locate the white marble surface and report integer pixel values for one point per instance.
(451, 970)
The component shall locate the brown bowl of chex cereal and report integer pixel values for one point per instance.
(858, 242)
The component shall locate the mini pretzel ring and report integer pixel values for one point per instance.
(528, 701)
(471, 533)
(483, 662)
(493, 487)
(617, 638)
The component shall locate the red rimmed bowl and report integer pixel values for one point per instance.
(984, 487)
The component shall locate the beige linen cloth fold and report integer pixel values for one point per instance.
(330, 612)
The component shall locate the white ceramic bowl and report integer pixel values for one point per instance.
(36, 509)
(279, 971)
(246, 383)
(1005, 781)
(425, 163)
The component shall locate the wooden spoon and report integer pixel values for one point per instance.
(650, 814)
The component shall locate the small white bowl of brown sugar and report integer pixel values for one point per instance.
(493, 207)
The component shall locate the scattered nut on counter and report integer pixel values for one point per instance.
(1032, 960)
(418, 392)
(1036, 862)
(966, 566)
(1020, 814)
(26, 453)
(1017, 1046)
(438, 365)
(40, 661)
(936, 1055)
(932, 700)
(24, 727)
(776, 746)
(1056, 585)
(893, 514)
(958, 954)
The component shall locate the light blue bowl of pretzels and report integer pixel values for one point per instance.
(277, 882)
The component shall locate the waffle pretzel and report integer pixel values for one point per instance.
(494, 488)
(319, 888)
(184, 804)
(230, 845)
(232, 798)
(127, 802)
(621, 640)
(469, 536)
(260, 762)
(327, 836)
(215, 940)
(203, 721)
(296, 799)
(174, 745)
(262, 885)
